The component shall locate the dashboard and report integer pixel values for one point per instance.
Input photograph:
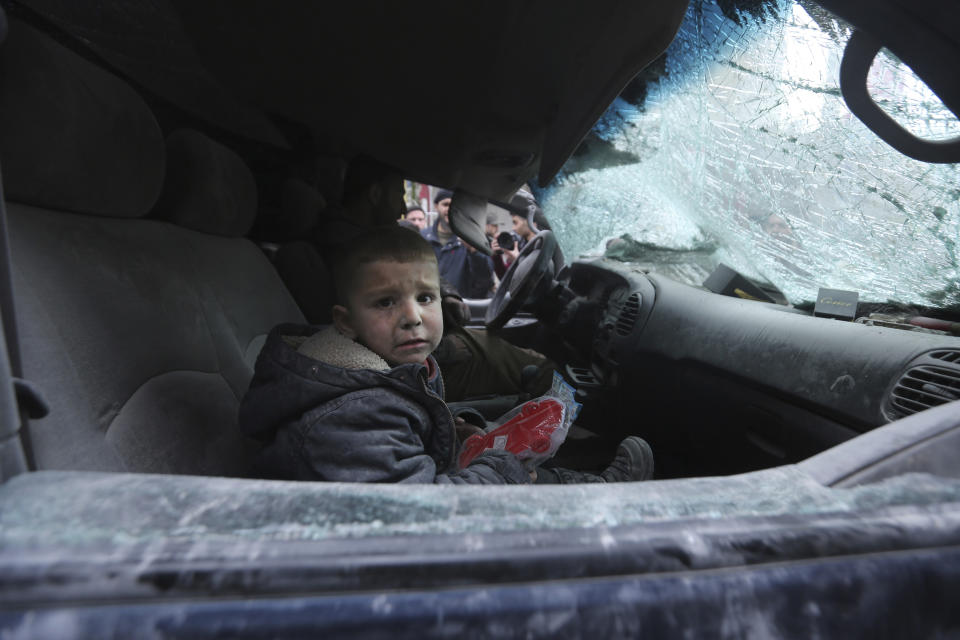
(762, 383)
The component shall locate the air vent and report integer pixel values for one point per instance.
(923, 387)
(946, 355)
(628, 315)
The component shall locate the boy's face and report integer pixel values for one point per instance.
(394, 310)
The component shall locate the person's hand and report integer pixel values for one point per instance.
(465, 429)
(533, 475)
(455, 310)
(512, 253)
(495, 245)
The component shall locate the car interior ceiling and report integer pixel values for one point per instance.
(151, 258)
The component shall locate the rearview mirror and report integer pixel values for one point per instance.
(468, 219)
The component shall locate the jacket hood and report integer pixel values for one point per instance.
(302, 367)
(331, 347)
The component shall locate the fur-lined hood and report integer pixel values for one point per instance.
(330, 346)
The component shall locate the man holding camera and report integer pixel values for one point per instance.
(523, 230)
(469, 271)
(527, 220)
(504, 245)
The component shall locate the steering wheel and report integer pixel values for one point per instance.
(521, 279)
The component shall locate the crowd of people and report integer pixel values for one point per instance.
(467, 270)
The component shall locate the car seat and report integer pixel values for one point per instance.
(141, 333)
(297, 259)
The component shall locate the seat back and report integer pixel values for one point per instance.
(298, 261)
(141, 333)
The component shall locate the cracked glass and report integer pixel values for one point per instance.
(736, 146)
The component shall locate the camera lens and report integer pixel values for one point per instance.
(505, 240)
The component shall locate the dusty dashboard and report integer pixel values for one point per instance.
(728, 384)
(636, 331)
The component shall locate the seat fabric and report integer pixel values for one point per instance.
(141, 333)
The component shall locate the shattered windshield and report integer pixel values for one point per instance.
(736, 147)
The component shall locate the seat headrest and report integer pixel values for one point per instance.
(300, 206)
(72, 136)
(294, 216)
(209, 188)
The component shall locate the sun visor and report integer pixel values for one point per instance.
(492, 98)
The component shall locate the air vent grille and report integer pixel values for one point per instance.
(628, 315)
(947, 355)
(923, 387)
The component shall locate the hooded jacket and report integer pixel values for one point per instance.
(328, 408)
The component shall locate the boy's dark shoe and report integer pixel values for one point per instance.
(633, 461)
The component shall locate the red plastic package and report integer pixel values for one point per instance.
(533, 432)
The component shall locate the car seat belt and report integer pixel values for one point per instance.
(29, 401)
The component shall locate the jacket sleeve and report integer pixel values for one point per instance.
(490, 467)
(456, 313)
(376, 435)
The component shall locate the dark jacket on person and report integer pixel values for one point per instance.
(470, 273)
(328, 408)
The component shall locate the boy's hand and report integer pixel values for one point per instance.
(455, 310)
(465, 429)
